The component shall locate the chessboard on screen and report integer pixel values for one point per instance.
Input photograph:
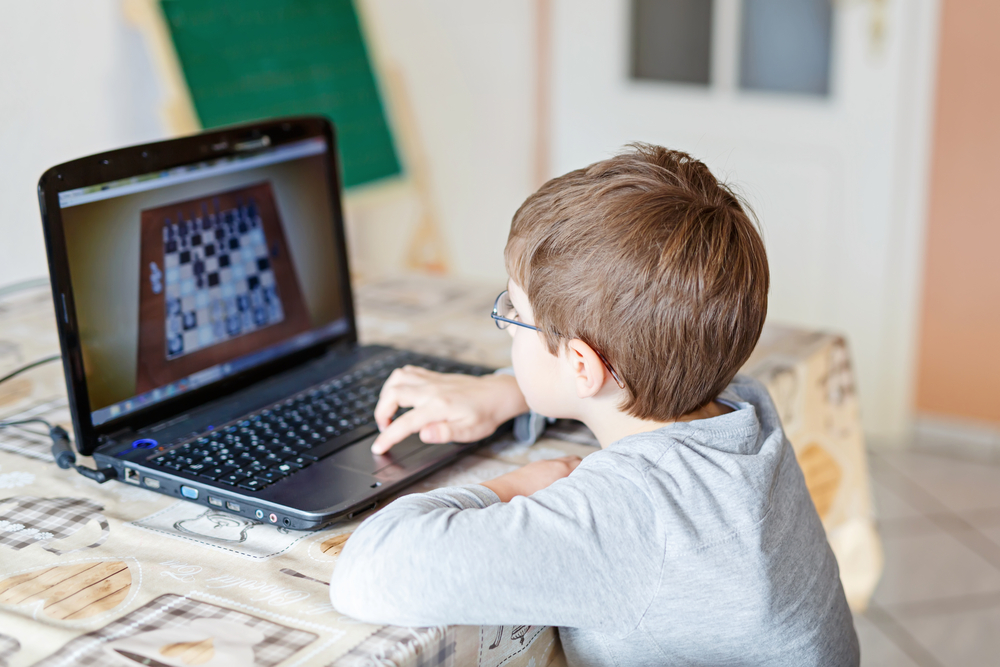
(217, 281)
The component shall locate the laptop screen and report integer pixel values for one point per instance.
(183, 277)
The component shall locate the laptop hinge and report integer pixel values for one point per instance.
(117, 436)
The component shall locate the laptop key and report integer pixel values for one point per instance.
(271, 476)
(252, 484)
(214, 473)
(232, 479)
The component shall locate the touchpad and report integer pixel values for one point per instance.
(358, 456)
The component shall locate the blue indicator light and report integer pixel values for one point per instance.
(143, 443)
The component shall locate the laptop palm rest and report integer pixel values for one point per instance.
(358, 456)
(351, 474)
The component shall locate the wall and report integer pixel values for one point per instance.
(464, 74)
(959, 361)
(75, 80)
(78, 79)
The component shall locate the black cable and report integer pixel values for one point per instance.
(28, 367)
(33, 420)
(64, 456)
(66, 459)
(61, 451)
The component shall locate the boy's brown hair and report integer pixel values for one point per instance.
(654, 263)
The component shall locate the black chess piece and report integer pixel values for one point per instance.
(175, 345)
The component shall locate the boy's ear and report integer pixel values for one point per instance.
(586, 367)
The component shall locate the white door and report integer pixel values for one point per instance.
(834, 172)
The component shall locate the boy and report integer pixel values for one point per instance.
(638, 287)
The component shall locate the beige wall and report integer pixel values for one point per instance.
(463, 74)
(959, 351)
(75, 80)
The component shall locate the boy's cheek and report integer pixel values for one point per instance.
(536, 378)
(535, 402)
(523, 373)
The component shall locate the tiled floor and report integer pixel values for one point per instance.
(938, 603)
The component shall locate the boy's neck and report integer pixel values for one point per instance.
(611, 425)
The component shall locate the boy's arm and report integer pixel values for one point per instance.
(574, 554)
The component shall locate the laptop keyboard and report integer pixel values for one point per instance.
(285, 437)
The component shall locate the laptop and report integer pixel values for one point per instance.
(209, 341)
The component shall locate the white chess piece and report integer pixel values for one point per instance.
(155, 278)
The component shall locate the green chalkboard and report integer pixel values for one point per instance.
(250, 59)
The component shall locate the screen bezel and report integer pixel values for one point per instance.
(238, 140)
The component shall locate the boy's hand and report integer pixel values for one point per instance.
(446, 407)
(532, 477)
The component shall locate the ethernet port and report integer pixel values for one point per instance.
(131, 475)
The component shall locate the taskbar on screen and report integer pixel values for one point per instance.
(215, 373)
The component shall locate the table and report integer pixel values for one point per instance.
(91, 573)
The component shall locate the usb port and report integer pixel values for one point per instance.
(151, 483)
(214, 501)
(231, 506)
(131, 475)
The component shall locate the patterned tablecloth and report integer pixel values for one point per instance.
(117, 575)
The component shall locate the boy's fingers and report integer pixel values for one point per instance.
(385, 408)
(393, 398)
(404, 375)
(398, 378)
(422, 372)
(411, 422)
(436, 433)
(409, 374)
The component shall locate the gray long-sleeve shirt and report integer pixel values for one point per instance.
(695, 544)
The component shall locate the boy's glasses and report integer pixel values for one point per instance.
(504, 314)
